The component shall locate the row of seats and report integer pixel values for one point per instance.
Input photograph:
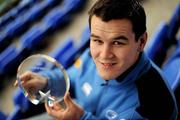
(158, 48)
(35, 36)
(163, 38)
(24, 21)
(23, 6)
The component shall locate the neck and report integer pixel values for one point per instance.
(124, 74)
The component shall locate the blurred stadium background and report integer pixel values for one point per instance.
(59, 28)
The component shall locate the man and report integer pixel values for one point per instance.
(115, 79)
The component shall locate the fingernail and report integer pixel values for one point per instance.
(15, 84)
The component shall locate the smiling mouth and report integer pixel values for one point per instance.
(107, 65)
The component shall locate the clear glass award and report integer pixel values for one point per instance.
(43, 79)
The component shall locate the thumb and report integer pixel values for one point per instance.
(68, 100)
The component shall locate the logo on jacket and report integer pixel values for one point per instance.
(111, 115)
(86, 88)
(78, 63)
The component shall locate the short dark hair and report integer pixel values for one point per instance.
(121, 9)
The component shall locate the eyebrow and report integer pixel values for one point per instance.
(95, 36)
(121, 38)
(116, 38)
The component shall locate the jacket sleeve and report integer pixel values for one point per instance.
(56, 82)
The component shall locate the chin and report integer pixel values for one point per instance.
(107, 77)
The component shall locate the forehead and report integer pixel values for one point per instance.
(112, 26)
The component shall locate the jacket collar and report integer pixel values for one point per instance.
(134, 72)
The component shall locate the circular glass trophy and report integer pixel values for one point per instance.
(43, 79)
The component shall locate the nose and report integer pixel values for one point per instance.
(106, 52)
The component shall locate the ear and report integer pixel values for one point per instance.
(142, 40)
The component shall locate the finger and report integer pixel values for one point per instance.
(25, 76)
(15, 83)
(57, 106)
(29, 83)
(51, 111)
(47, 107)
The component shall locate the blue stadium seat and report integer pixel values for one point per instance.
(174, 23)
(163, 38)
(55, 18)
(16, 11)
(24, 5)
(10, 58)
(16, 27)
(6, 19)
(84, 41)
(58, 53)
(62, 48)
(157, 47)
(172, 67)
(4, 41)
(74, 52)
(61, 14)
(73, 5)
(4, 57)
(22, 23)
(40, 9)
(34, 37)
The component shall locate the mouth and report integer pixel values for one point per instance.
(107, 65)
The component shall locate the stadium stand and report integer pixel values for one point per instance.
(29, 41)
(24, 21)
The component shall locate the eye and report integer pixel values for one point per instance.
(118, 43)
(97, 41)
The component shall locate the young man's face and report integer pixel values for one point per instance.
(113, 46)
